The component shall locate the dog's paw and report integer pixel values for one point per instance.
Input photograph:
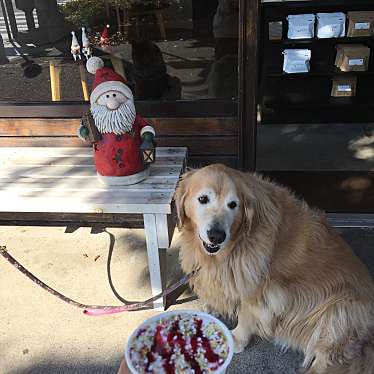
(239, 344)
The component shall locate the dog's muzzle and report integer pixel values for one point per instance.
(216, 237)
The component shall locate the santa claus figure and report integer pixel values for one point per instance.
(119, 129)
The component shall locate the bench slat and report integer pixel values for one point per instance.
(32, 184)
(88, 182)
(72, 171)
(21, 160)
(78, 151)
(64, 180)
(64, 205)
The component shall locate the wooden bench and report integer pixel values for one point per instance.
(58, 186)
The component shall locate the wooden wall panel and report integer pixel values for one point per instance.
(164, 126)
(209, 140)
(38, 127)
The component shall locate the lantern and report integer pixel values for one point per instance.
(147, 148)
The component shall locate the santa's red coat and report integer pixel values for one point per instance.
(119, 155)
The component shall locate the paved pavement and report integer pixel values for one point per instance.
(39, 334)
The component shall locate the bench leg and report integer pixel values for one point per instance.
(156, 234)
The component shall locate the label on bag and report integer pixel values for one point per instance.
(362, 26)
(298, 66)
(356, 61)
(302, 30)
(344, 88)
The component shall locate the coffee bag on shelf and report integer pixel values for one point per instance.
(344, 86)
(360, 24)
(301, 26)
(296, 60)
(352, 57)
(275, 30)
(331, 25)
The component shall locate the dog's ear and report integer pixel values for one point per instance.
(180, 196)
(258, 203)
(266, 210)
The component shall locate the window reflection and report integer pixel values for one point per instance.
(167, 49)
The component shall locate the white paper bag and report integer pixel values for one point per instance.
(330, 25)
(296, 60)
(301, 26)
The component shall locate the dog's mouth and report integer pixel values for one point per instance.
(211, 248)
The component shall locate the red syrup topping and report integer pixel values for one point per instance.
(174, 339)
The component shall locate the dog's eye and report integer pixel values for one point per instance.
(232, 205)
(203, 199)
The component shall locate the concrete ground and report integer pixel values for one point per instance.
(39, 334)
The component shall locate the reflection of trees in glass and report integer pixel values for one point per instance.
(99, 12)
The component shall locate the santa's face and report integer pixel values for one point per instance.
(113, 112)
(112, 99)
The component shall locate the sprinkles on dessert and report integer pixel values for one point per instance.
(179, 344)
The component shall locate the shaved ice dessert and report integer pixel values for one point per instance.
(180, 342)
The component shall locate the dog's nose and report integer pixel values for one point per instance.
(216, 236)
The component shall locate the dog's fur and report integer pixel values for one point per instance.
(287, 274)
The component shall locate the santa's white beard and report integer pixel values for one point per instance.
(117, 121)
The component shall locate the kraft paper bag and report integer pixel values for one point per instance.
(352, 57)
(344, 86)
(360, 24)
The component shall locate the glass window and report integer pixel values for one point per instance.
(166, 49)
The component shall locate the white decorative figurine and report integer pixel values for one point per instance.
(75, 47)
(87, 50)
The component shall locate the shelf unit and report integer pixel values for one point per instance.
(306, 98)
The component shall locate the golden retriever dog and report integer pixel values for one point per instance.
(269, 258)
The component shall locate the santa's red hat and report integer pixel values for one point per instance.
(106, 79)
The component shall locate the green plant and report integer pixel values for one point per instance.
(86, 12)
(95, 13)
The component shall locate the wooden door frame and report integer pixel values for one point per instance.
(248, 82)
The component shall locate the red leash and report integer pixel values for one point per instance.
(94, 310)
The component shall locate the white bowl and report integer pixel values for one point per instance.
(190, 313)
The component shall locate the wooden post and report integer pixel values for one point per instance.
(107, 11)
(161, 24)
(55, 75)
(118, 17)
(82, 72)
(249, 14)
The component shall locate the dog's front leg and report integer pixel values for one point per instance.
(244, 330)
